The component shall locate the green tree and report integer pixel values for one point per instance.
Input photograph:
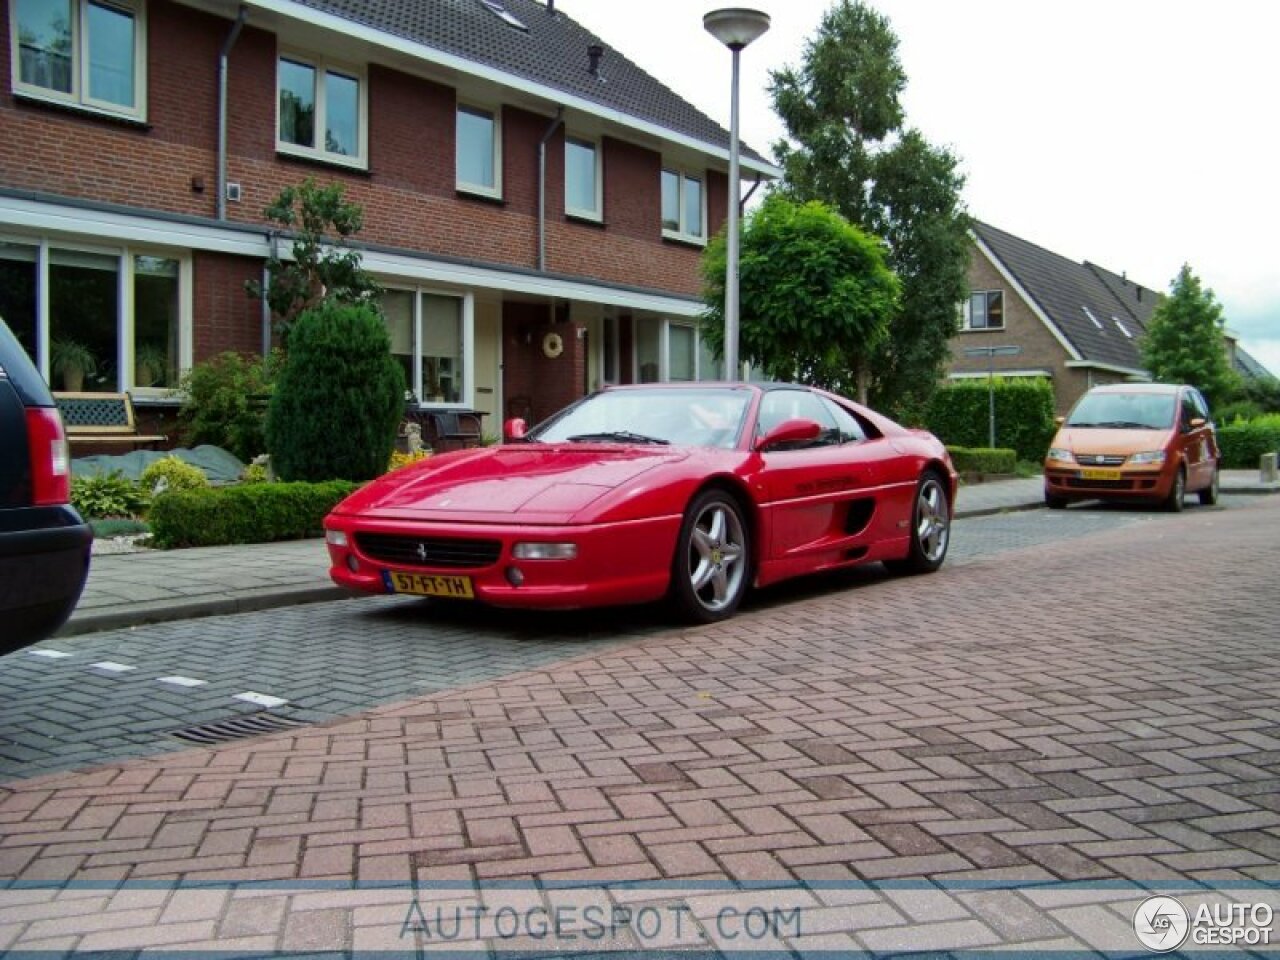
(816, 295)
(338, 398)
(1184, 340)
(323, 266)
(843, 114)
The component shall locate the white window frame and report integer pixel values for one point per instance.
(125, 348)
(596, 214)
(466, 186)
(467, 301)
(664, 351)
(968, 311)
(682, 234)
(323, 67)
(79, 95)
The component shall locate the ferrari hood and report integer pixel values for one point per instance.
(539, 482)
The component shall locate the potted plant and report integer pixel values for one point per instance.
(150, 366)
(72, 361)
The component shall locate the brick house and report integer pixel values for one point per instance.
(535, 204)
(1077, 324)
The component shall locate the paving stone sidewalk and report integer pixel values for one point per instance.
(1007, 754)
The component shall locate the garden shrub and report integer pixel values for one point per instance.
(983, 459)
(109, 494)
(248, 513)
(958, 415)
(176, 474)
(1243, 443)
(225, 403)
(339, 397)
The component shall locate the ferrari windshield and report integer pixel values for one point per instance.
(693, 416)
(1124, 411)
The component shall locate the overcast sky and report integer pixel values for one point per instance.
(1136, 134)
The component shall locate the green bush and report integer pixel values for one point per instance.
(1243, 443)
(249, 513)
(110, 494)
(1229, 413)
(339, 398)
(177, 475)
(225, 403)
(983, 459)
(958, 415)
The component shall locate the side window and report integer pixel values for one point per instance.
(1197, 400)
(779, 406)
(850, 430)
(1189, 411)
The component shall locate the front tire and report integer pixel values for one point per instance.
(930, 527)
(1178, 492)
(1209, 495)
(712, 565)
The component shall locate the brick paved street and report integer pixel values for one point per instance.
(937, 757)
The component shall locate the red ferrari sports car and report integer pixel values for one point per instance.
(690, 491)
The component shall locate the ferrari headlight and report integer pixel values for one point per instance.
(1061, 453)
(545, 551)
(335, 538)
(1148, 456)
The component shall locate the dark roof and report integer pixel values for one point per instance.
(1064, 290)
(1247, 366)
(551, 52)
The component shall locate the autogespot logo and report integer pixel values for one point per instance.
(1161, 923)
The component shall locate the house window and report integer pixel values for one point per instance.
(98, 319)
(1123, 329)
(321, 110)
(683, 207)
(428, 339)
(985, 310)
(582, 179)
(479, 159)
(90, 53)
(669, 350)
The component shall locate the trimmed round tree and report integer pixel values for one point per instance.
(338, 399)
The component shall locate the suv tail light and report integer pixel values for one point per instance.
(50, 458)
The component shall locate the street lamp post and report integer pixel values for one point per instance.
(991, 353)
(735, 27)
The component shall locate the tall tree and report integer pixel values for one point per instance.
(1184, 340)
(816, 295)
(847, 147)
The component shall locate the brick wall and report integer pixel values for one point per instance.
(408, 191)
(226, 318)
(533, 381)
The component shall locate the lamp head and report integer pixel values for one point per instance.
(736, 27)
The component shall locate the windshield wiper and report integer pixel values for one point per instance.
(617, 436)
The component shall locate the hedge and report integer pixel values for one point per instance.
(958, 415)
(983, 459)
(1243, 443)
(248, 513)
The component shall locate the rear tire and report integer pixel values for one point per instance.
(1209, 495)
(1178, 492)
(930, 527)
(712, 566)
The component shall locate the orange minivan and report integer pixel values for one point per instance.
(1133, 442)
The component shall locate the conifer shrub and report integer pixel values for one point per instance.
(338, 399)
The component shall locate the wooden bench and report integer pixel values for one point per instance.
(105, 418)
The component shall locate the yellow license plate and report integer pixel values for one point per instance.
(428, 585)
(1099, 474)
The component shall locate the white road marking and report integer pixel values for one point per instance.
(110, 666)
(183, 681)
(261, 699)
(49, 654)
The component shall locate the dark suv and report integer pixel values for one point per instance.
(44, 545)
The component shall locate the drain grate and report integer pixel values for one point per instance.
(237, 728)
